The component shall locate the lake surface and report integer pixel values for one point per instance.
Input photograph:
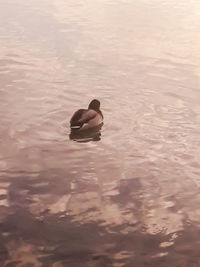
(130, 198)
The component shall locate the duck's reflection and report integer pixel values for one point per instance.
(88, 135)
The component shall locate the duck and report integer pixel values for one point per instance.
(85, 119)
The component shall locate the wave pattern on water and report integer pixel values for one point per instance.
(131, 199)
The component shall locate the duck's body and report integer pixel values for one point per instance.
(84, 119)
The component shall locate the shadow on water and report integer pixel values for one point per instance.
(38, 231)
(84, 136)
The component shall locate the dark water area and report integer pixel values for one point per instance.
(130, 195)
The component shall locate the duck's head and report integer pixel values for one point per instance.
(94, 104)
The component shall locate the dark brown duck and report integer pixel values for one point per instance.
(84, 119)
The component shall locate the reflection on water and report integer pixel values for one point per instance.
(133, 198)
(93, 134)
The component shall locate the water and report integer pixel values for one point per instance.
(131, 198)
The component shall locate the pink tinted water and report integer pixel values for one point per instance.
(131, 199)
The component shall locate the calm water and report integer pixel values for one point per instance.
(131, 199)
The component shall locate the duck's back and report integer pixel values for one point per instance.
(77, 116)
